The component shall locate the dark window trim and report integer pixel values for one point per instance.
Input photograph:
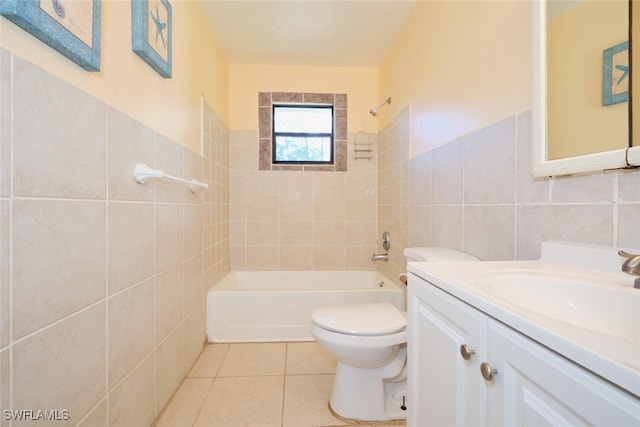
(302, 134)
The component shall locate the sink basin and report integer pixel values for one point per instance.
(595, 303)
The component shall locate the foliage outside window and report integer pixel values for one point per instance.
(302, 134)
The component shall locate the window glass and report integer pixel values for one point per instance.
(303, 149)
(302, 134)
(303, 119)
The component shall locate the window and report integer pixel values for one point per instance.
(266, 135)
(302, 134)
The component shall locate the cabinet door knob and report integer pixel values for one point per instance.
(488, 373)
(466, 352)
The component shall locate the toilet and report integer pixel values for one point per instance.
(369, 341)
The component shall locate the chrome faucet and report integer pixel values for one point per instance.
(632, 266)
(380, 257)
(386, 244)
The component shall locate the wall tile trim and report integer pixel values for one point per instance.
(265, 104)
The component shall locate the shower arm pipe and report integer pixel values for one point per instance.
(142, 173)
(386, 101)
(374, 110)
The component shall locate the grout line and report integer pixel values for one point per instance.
(616, 208)
(60, 320)
(155, 281)
(516, 125)
(104, 399)
(195, 419)
(106, 282)
(463, 204)
(87, 200)
(10, 229)
(284, 383)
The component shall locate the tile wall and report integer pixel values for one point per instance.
(102, 279)
(393, 191)
(300, 220)
(476, 194)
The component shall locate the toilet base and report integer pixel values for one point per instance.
(370, 394)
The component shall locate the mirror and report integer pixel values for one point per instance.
(580, 123)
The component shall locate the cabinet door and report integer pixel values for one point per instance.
(535, 386)
(443, 388)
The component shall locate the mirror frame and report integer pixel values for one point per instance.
(614, 159)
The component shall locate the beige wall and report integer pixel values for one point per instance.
(578, 123)
(127, 83)
(461, 65)
(245, 81)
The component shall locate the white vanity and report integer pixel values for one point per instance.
(548, 342)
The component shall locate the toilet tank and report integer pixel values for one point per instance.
(436, 253)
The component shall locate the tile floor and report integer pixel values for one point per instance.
(256, 384)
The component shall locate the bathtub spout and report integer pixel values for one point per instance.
(380, 257)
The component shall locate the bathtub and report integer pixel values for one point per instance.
(259, 306)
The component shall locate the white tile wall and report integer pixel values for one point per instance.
(56, 141)
(394, 175)
(103, 280)
(300, 220)
(58, 260)
(483, 200)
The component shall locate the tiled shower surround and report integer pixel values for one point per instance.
(300, 220)
(393, 191)
(103, 280)
(476, 194)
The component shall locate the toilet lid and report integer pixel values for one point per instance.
(361, 319)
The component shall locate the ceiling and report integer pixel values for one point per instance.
(353, 33)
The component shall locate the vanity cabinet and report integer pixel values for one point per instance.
(443, 387)
(531, 385)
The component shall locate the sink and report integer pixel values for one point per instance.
(596, 303)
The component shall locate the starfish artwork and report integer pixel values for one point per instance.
(625, 72)
(160, 26)
(58, 8)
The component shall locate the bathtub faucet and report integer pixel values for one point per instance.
(380, 257)
(631, 266)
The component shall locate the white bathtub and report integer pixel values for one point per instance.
(258, 306)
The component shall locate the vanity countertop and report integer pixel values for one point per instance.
(613, 358)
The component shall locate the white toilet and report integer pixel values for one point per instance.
(370, 342)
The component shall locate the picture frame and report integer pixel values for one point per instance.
(151, 25)
(615, 74)
(71, 28)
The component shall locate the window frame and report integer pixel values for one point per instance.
(331, 135)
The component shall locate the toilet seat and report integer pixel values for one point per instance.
(371, 319)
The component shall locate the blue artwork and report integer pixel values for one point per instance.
(151, 33)
(615, 74)
(625, 73)
(71, 28)
(160, 27)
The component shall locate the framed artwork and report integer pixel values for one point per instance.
(151, 33)
(70, 27)
(615, 74)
